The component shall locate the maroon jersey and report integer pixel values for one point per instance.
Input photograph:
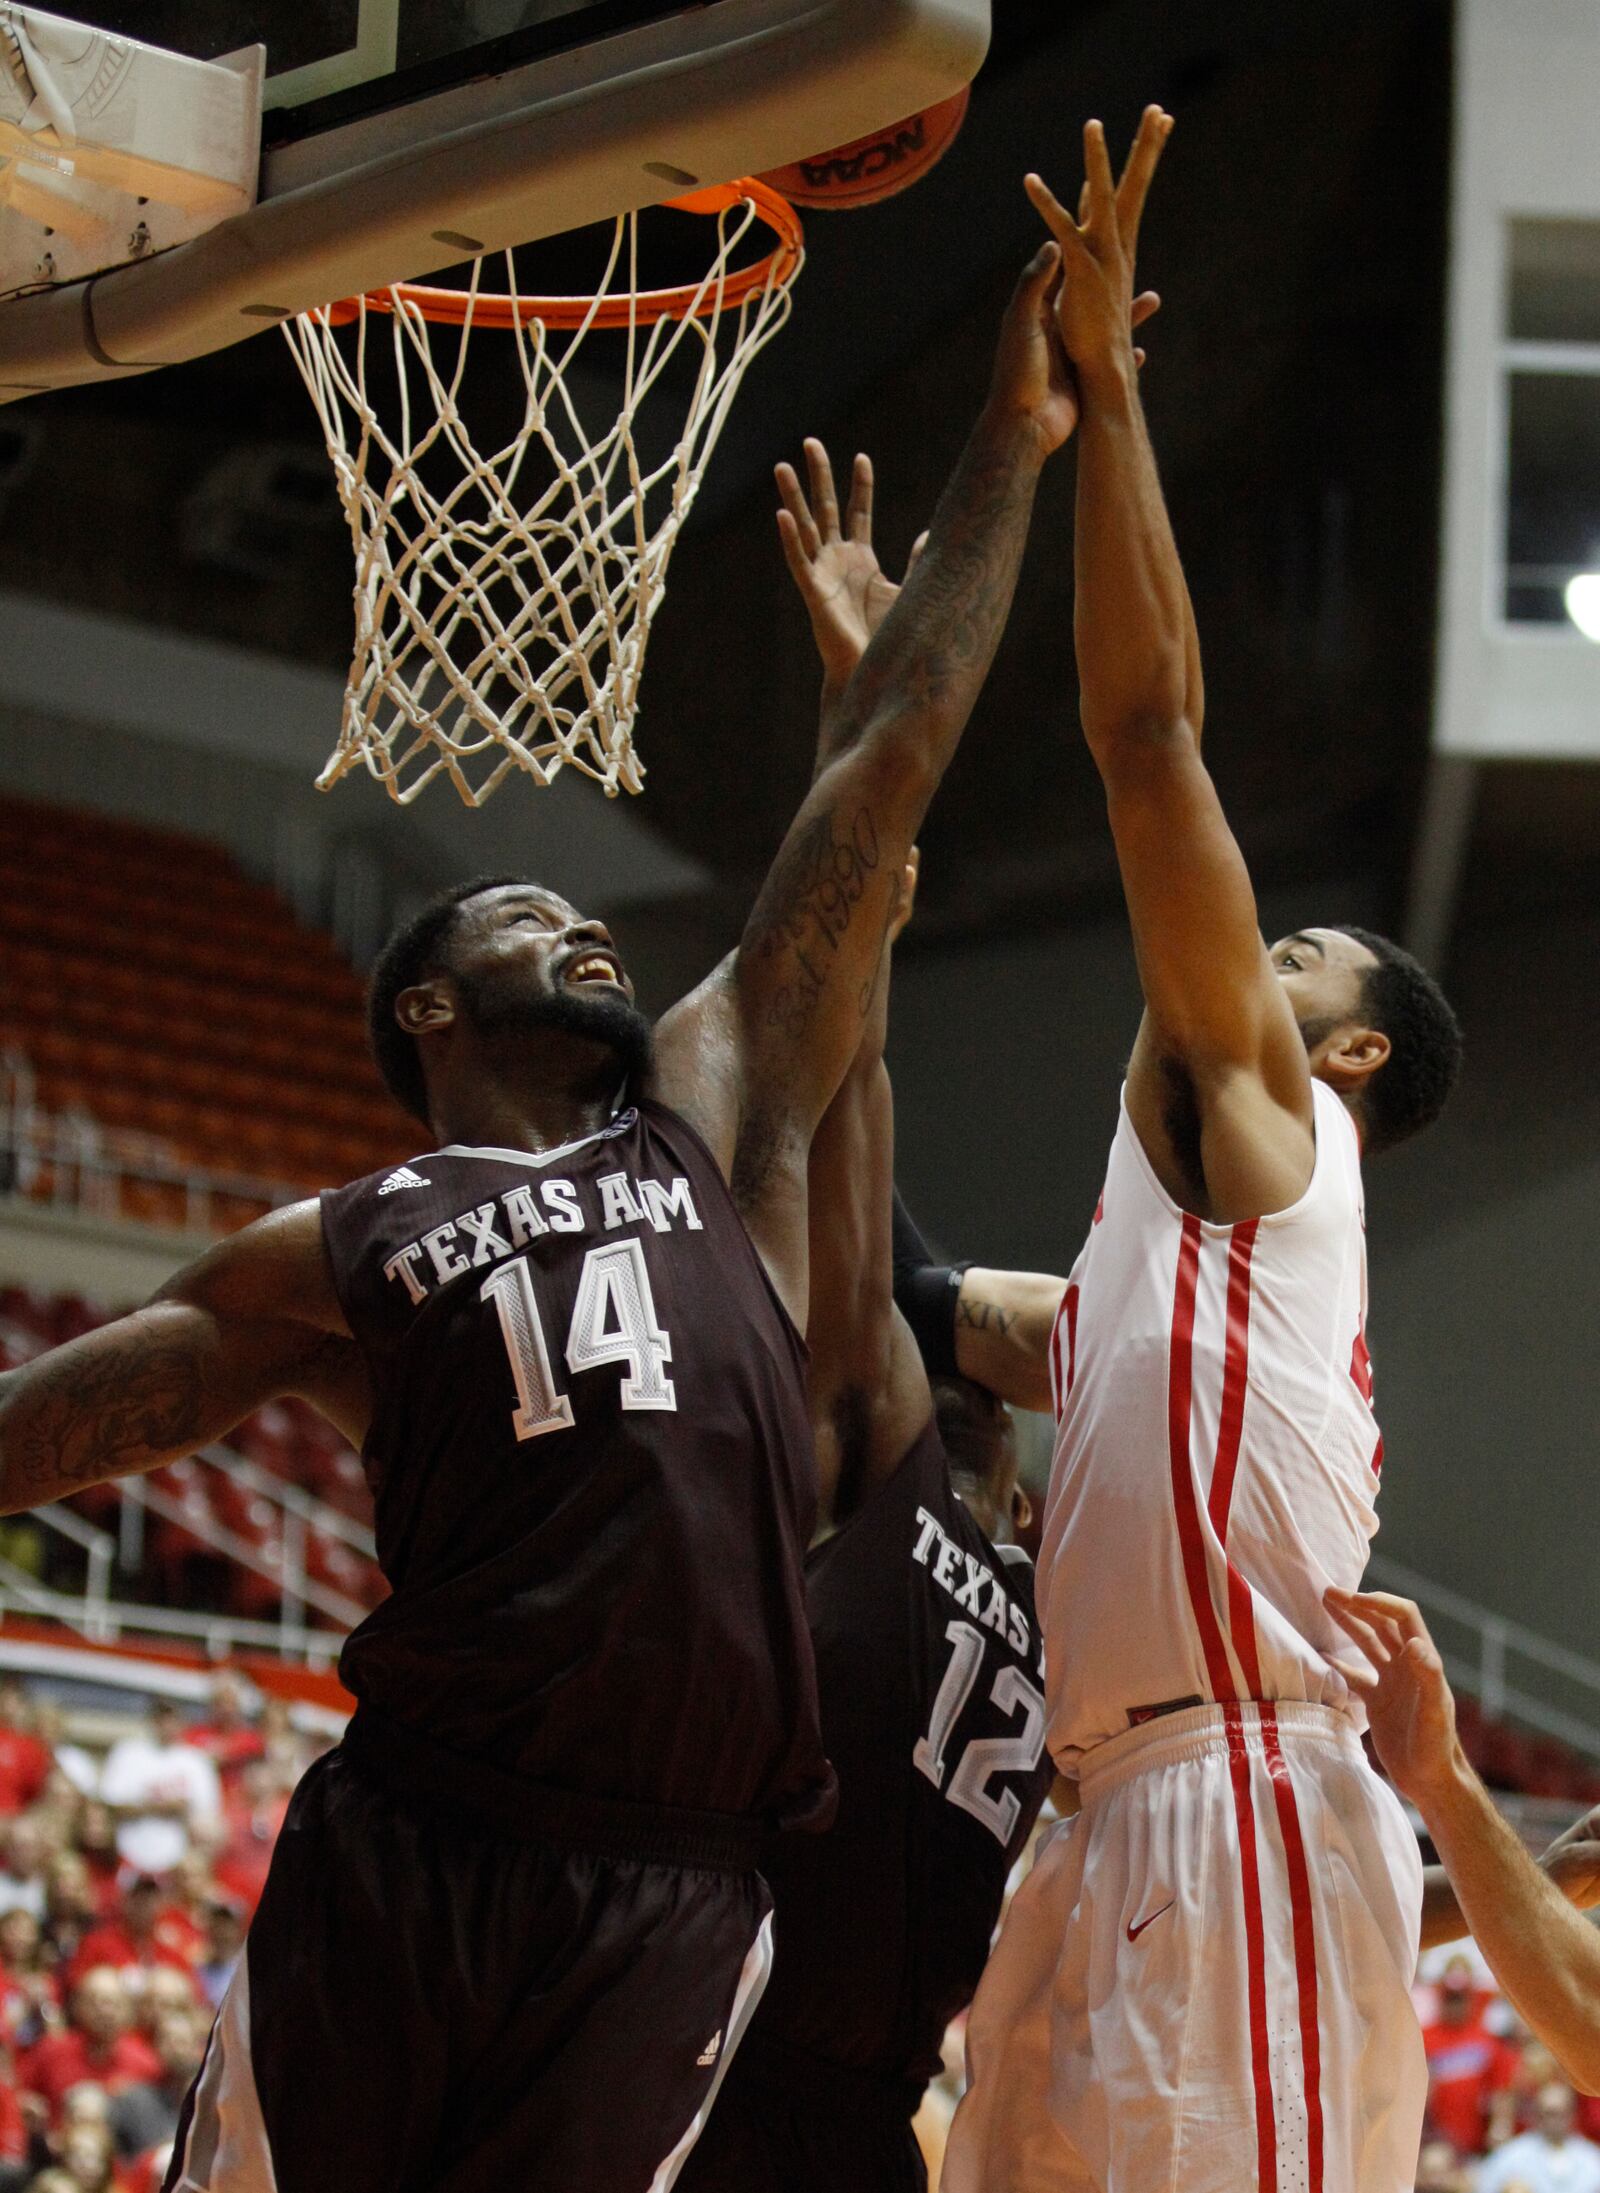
(592, 1465)
(931, 1673)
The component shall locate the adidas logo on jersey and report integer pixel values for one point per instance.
(404, 1178)
(712, 2050)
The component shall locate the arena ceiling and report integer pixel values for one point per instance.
(1297, 237)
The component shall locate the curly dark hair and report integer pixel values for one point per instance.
(418, 948)
(1401, 999)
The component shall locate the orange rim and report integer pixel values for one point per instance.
(454, 307)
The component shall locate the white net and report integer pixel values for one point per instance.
(505, 592)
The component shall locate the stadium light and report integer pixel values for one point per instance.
(1582, 598)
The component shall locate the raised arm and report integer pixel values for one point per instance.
(1219, 1034)
(993, 1327)
(1544, 1954)
(253, 1318)
(783, 1017)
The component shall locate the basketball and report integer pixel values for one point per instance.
(869, 169)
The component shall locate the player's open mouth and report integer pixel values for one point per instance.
(594, 967)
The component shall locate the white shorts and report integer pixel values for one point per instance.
(1203, 1986)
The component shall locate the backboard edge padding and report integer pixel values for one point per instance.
(566, 154)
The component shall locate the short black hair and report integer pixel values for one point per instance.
(416, 949)
(972, 1428)
(1402, 1001)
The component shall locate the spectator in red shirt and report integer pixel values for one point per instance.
(97, 1841)
(254, 1818)
(227, 1737)
(189, 1888)
(13, 2118)
(25, 1763)
(30, 2000)
(22, 1876)
(136, 1940)
(99, 2045)
(72, 1905)
(1471, 2071)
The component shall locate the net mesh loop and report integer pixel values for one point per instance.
(506, 582)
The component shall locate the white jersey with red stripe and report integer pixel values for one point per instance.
(1216, 1462)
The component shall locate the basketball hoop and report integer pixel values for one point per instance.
(497, 629)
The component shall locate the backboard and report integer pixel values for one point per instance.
(401, 135)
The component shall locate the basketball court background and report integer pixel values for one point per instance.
(174, 625)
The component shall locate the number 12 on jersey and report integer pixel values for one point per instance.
(985, 1756)
(613, 1321)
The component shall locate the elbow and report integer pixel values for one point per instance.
(1134, 743)
(1580, 2064)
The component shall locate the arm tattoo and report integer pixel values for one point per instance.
(81, 1417)
(81, 1421)
(810, 902)
(979, 1316)
(935, 646)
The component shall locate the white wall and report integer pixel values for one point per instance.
(1527, 143)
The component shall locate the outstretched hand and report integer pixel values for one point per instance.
(835, 566)
(1409, 1705)
(1573, 1861)
(1096, 308)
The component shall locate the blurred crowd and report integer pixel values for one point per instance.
(1500, 2117)
(127, 1881)
(128, 1878)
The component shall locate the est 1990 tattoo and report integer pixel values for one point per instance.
(813, 893)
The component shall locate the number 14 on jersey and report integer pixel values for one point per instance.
(613, 1321)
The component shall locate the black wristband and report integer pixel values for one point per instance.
(926, 1293)
(927, 1296)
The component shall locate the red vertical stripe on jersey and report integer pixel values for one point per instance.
(1235, 1372)
(1230, 1434)
(1305, 1941)
(1255, 1954)
(1057, 1385)
(1241, 1620)
(1180, 1403)
(1070, 1307)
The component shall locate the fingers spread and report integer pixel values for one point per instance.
(858, 518)
(795, 553)
(797, 510)
(1045, 202)
(1041, 270)
(824, 499)
(1097, 164)
(1155, 128)
(1344, 1609)
(1356, 1673)
(1398, 1619)
(1145, 307)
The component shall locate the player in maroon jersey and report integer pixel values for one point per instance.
(514, 1921)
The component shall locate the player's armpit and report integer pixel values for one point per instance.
(253, 1318)
(1004, 1321)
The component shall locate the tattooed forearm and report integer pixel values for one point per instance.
(934, 649)
(984, 1317)
(72, 1420)
(807, 909)
(139, 1392)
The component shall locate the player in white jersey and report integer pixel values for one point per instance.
(1202, 1987)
